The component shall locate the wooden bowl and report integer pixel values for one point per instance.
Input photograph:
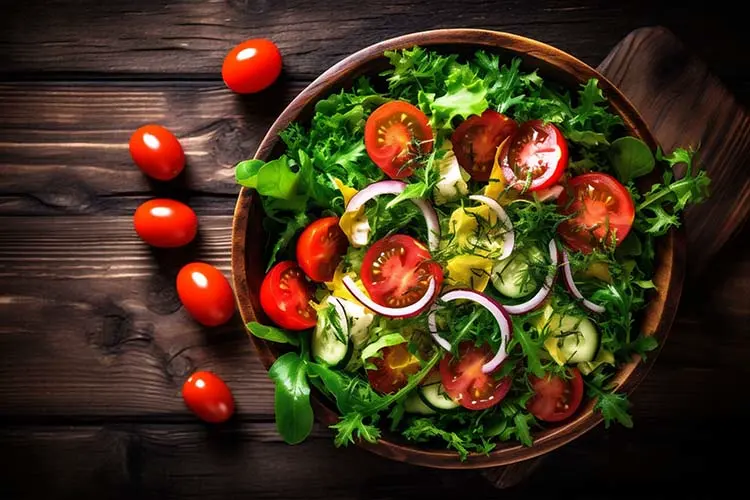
(554, 65)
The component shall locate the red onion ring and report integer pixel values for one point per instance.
(392, 312)
(509, 237)
(571, 285)
(497, 311)
(545, 289)
(397, 187)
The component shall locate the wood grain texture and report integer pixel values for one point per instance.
(147, 38)
(64, 149)
(655, 70)
(247, 460)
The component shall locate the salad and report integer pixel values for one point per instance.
(457, 253)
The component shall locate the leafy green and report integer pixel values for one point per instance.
(294, 415)
(272, 333)
(614, 407)
(373, 349)
(353, 425)
(424, 429)
(246, 172)
(657, 211)
(631, 158)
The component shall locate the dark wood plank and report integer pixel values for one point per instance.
(192, 461)
(64, 149)
(137, 37)
(684, 104)
(92, 328)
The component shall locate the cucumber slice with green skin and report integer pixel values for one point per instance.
(414, 404)
(331, 340)
(435, 397)
(511, 276)
(572, 339)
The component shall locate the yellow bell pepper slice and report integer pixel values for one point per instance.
(468, 271)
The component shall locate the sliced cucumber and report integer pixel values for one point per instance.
(434, 396)
(414, 404)
(573, 339)
(331, 342)
(511, 276)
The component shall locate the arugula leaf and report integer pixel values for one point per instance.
(272, 333)
(643, 344)
(521, 419)
(424, 429)
(353, 424)
(631, 158)
(613, 406)
(294, 225)
(294, 415)
(532, 347)
(657, 212)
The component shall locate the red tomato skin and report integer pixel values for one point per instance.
(390, 159)
(206, 294)
(165, 223)
(157, 152)
(622, 220)
(537, 407)
(320, 248)
(487, 131)
(385, 379)
(418, 263)
(208, 396)
(252, 66)
(273, 304)
(516, 141)
(459, 385)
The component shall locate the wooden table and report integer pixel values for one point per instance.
(94, 341)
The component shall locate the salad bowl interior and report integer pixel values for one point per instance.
(248, 266)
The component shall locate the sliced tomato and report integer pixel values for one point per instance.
(285, 296)
(535, 157)
(396, 271)
(320, 247)
(395, 135)
(476, 140)
(556, 399)
(393, 368)
(601, 211)
(464, 381)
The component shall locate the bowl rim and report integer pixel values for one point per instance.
(659, 314)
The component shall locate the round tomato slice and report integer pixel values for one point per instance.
(395, 135)
(320, 247)
(535, 157)
(601, 211)
(476, 140)
(464, 381)
(556, 399)
(393, 368)
(285, 296)
(396, 271)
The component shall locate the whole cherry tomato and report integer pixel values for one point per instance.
(205, 293)
(208, 396)
(251, 66)
(157, 152)
(165, 223)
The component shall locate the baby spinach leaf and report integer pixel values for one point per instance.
(271, 333)
(631, 158)
(294, 415)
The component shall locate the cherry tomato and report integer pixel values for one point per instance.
(285, 296)
(602, 211)
(464, 381)
(251, 66)
(556, 399)
(157, 152)
(538, 153)
(165, 223)
(393, 369)
(205, 293)
(396, 271)
(320, 247)
(476, 140)
(395, 134)
(208, 397)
